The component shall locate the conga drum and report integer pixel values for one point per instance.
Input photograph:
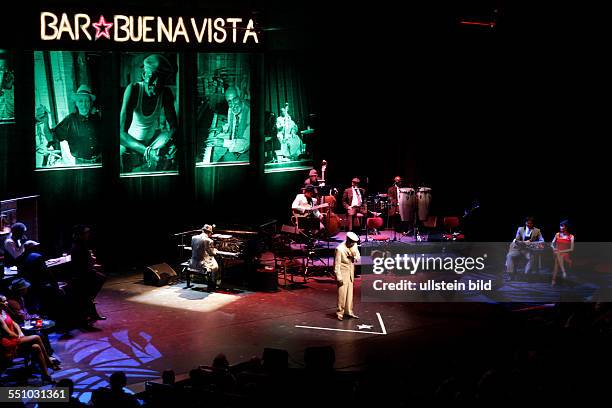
(424, 202)
(407, 204)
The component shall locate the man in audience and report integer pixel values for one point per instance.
(116, 396)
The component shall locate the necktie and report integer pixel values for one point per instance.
(235, 127)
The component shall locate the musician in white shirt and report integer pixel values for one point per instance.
(305, 204)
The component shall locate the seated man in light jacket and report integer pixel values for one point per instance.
(520, 248)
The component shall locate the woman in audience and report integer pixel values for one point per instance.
(13, 340)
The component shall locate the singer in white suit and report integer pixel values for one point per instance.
(347, 255)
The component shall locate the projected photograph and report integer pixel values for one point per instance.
(7, 88)
(148, 120)
(223, 109)
(68, 112)
(290, 123)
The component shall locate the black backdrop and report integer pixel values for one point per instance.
(505, 115)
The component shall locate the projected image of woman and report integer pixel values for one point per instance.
(147, 144)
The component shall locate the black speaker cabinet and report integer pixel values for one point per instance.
(264, 280)
(159, 275)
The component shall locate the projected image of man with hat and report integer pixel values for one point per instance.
(78, 134)
(147, 144)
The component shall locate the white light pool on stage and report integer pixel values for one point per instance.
(178, 297)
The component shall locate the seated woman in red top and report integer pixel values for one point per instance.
(563, 245)
(12, 339)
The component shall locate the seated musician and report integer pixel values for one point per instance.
(203, 256)
(352, 201)
(313, 180)
(304, 204)
(521, 246)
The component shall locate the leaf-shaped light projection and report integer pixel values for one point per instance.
(102, 357)
(146, 353)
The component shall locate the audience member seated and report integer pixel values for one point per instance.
(13, 340)
(116, 396)
(16, 296)
(222, 378)
(72, 403)
(17, 307)
(45, 294)
(168, 377)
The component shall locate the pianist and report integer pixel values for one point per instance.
(203, 256)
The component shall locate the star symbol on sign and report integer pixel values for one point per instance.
(102, 28)
(364, 326)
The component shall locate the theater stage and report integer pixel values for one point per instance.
(150, 329)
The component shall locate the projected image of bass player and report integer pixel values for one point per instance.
(234, 138)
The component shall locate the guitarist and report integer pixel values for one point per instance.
(305, 204)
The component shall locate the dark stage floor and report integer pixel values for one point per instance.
(150, 329)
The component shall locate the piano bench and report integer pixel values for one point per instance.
(187, 271)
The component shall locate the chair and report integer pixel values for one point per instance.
(284, 256)
(431, 222)
(450, 223)
(373, 224)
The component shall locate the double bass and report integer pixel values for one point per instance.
(332, 222)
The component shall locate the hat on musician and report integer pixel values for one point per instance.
(355, 180)
(352, 236)
(313, 172)
(309, 188)
(397, 179)
(208, 228)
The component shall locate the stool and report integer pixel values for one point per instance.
(374, 223)
(187, 271)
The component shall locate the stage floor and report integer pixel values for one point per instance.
(150, 329)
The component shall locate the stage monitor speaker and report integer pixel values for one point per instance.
(159, 275)
(264, 280)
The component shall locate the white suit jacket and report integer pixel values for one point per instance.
(203, 253)
(344, 268)
(301, 204)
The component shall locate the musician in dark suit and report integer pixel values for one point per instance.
(393, 195)
(203, 256)
(352, 201)
(521, 245)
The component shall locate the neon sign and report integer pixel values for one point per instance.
(147, 29)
